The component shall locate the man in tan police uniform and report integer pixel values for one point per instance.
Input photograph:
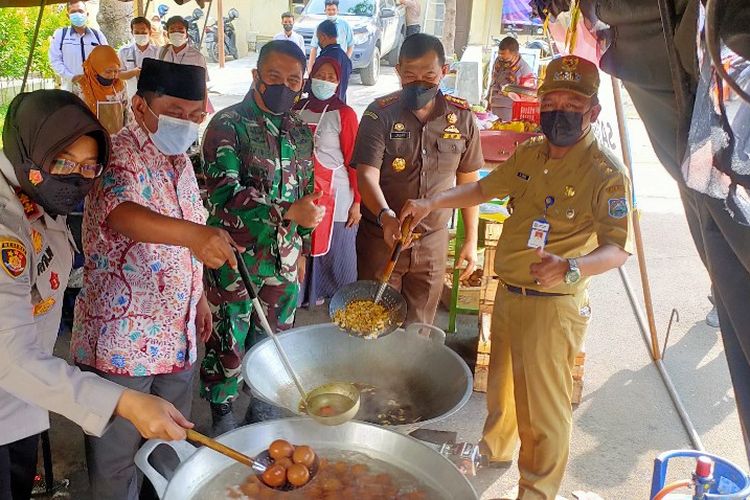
(415, 143)
(570, 220)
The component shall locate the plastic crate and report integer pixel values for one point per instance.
(526, 111)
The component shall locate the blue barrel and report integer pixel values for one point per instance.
(730, 481)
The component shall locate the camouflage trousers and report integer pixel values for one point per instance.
(236, 328)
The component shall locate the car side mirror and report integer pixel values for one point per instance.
(298, 9)
(387, 12)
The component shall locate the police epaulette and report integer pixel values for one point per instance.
(388, 100)
(457, 102)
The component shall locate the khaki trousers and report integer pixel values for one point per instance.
(534, 344)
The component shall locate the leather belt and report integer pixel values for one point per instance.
(519, 290)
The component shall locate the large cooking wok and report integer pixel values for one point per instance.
(419, 369)
(199, 466)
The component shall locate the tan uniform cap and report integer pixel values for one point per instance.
(571, 73)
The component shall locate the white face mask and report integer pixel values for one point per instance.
(177, 39)
(322, 89)
(141, 39)
(332, 18)
(173, 136)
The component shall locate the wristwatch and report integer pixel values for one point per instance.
(574, 272)
(382, 212)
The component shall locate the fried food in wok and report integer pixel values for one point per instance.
(362, 317)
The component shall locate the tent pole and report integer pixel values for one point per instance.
(220, 32)
(205, 23)
(33, 44)
(646, 321)
(627, 158)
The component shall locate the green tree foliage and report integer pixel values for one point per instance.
(17, 26)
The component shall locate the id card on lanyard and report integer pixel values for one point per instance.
(540, 228)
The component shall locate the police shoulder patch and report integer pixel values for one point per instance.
(457, 102)
(12, 256)
(388, 100)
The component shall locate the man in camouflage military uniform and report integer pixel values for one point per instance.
(259, 171)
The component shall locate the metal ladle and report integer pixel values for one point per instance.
(259, 464)
(330, 404)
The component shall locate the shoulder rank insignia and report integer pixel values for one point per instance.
(370, 114)
(388, 100)
(457, 101)
(30, 209)
(12, 257)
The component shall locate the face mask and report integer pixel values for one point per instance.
(322, 89)
(173, 135)
(177, 39)
(105, 81)
(417, 95)
(288, 27)
(331, 18)
(57, 194)
(562, 128)
(141, 39)
(78, 19)
(278, 98)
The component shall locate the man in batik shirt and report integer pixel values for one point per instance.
(142, 302)
(259, 171)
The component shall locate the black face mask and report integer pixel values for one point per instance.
(278, 98)
(562, 128)
(105, 81)
(417, 95)
(288, 27)
(57, 194)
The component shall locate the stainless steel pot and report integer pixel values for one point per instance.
(417, 367)
(198, 466)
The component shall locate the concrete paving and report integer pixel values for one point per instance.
(626, 417)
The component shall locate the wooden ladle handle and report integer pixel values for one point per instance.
(220, 448)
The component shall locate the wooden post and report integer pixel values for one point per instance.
(139, 8)
(220, 32)
(625, 146)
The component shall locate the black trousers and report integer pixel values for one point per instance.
(413, 29)
(18, 468)
(724, 247)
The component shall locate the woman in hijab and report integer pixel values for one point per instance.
(102, 90)
(55, 149)
(334, 125)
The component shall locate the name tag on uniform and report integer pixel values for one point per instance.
(538, 234)
(452, 136)
(401, 135)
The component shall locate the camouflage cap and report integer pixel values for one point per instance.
(571, 73)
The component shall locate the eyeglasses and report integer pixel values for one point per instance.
(62, 166)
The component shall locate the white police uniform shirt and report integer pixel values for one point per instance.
(36, 256)
(66, 55)
(132, 57)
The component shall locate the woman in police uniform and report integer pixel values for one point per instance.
(54, 150)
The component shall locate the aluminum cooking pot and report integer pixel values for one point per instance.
(199, 466)
(417, 368)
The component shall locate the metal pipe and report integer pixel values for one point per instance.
(220, 32)
(687, 423)
(647, 324)
(33, 44)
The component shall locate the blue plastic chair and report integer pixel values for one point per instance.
(730, 481)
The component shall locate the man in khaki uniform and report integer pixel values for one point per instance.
(570, 220)
(415, 143)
